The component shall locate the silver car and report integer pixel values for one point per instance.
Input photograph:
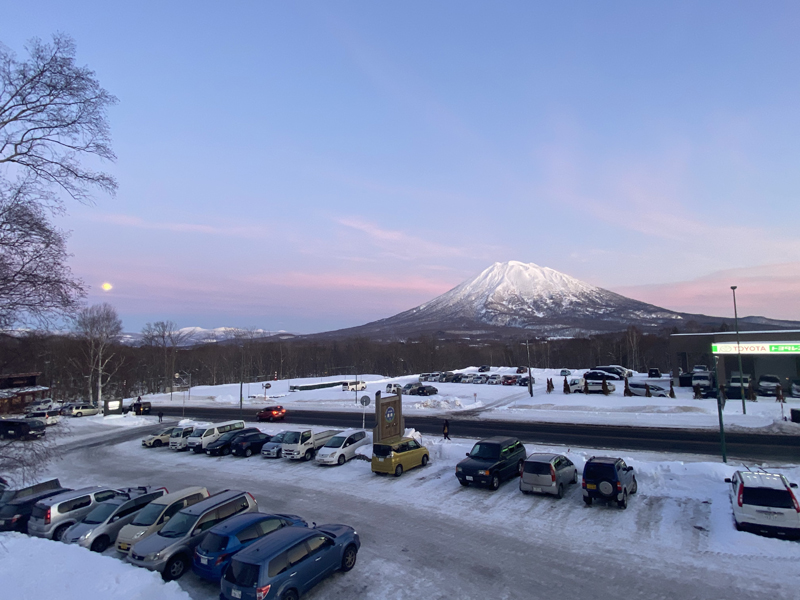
(170, 551)
(274, 447)
(50, 518)
(547, 474)
(99, 529)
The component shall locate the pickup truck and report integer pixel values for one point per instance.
(304, 443)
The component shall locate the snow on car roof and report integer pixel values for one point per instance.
(762, 479)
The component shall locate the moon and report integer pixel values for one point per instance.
(107, 287)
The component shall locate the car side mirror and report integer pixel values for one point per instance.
(794, 485)
(196, 532)
(467, 454)
(727, 480)
(115, 519)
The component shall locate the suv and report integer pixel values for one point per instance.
(50, 518)
(222, 445)
(491, 461)
(547, 474)
(409, 389)
(768, 385)
(170, 550)
(99, 529)
(609, 479)
(271, 413)
(764, 503)
(81, 410)
(495, 379)
(705, 380)
(156, 514)
(394, 388)
(158, 439)
(484, 369)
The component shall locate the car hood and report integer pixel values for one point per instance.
(153, 543)
(77, 530)
(768, 384)
(336, 530)
(217, 444)
(477, 464)
(271, 445)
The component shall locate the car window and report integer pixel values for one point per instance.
(402, 448)
(360, 436)
(233, 507)
(305, 437)
(278, 564)
(172, 510)
(193, 499)
(75, 504)
(767, 497)
(208, 432)
(128, 509)
(413, 445)
(208, 520)
(270, 525)
(297, 553)
(103, 496)
(251, 532)
(317, 542)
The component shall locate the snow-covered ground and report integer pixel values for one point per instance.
(507, 402)
(420, 531)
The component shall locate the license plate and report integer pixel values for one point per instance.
(772, 516)
(208, 452)
(537, 490)
(124, 547)
(380, 460)
(591, 486)
(468, 477)
(236, 593)
(204, 560)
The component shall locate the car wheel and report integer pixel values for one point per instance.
(398, 470)
(290, 595)
(308, 456)
(79, 414)
(58, 534)
(100, 544)
(495, 482)
(575, 476)
(560, 493)
(587, 500)
(520, 465)
(226, 451)
(248, 453)
(349, 558)
(157, 444)
(635, 487)
(463, 482)
(737, 525)
(623, 504)
(341, 460)
(175, 568)
(424, 460)
(279, 454)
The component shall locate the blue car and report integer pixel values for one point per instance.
(289, 562)
(213, 554)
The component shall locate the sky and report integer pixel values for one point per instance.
(317, 165)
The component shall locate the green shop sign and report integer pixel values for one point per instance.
(756, 348)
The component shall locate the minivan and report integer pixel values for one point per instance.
(170, 550)
(156, 514)
(179, 437)
(201, 438)
(50, 518)
(14, 515)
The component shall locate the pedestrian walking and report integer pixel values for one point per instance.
(446, 430)
(160, 416)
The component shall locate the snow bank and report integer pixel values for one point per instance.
(74, 573)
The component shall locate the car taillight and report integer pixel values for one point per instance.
(552, 473)
(222, 559)
(47, 517)
(619, 486)
(262, 592)
(794, 500)
(741, 493)
(583, 482)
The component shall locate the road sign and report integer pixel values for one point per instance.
(266, 385)
(365, 400)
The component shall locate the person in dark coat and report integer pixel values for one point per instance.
(446, 430)
(160, 416)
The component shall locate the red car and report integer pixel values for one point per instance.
(271, 413)
(509, 380)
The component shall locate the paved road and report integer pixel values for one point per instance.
(742, 446)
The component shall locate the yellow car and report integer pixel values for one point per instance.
(398, 454)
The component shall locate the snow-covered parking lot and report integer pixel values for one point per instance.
(425, 536)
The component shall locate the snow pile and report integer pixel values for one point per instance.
(126, 420)
(439, 402)
(74, 573)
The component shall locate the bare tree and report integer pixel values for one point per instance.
(99, 327)
(166, 336)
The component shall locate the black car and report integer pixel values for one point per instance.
(524, 380)
(222, 445)
(492, 461)
(609, 479)
(249, 444)
(521, 370)
(21, 429)
(427, 390)
(654, 373)
(484, 369)
(458, 377)
(14, 515)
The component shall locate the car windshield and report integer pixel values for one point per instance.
(382, 450)
(769, 379)
(335, 442)
(291, 437)
(178, 526)
(100, 513)
(197, 432)
(177, 432)
(225, 437)
(768, 497)
(242, 574)
(537, 468)
(485, 451)
(9, 510)
(148, 515)
(214, 542)
(599, 471)
(278, 439)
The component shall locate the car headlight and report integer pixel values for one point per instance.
(483, 472)
(458, 469)
(86, 535)
(138, 535)
(153, 556)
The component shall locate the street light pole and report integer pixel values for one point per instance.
(530, 377)
(720, 407)
(738, 350)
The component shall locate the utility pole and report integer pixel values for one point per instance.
(241, 385)
(720, 406)
(738, 350)
(530, 377)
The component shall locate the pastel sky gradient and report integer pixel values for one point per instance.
(316, 165)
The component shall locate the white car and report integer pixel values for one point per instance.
(495, 379)
(764, 503)
(50, 417)
(480, 378)
(83, 410)
(638, 389)
(468, 378)
(354, 386)
(394, 388)
(342, 447)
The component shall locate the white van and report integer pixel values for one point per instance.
(201, 438)
(179, 437)
(354, 386)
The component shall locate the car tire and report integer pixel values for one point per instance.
(520, 466)
(175, 568)
(290, 595)
(587, 500)
(463, 482)
(349, 558)
(398, 470)
(623, 504)
(225, 451)
(424, 460)
(79, 414)
(100, 544)
(495, 482)
(575, 476)
(737, 525)
(560, 493)
(341, 460)
(58, 534)
(157, 444)
(635, 487)
(279, 453)
(248, 452)
(308, 455)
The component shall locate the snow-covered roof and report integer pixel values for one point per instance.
(11, 392)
